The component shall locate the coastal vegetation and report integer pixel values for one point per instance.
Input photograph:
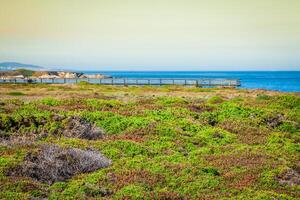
(21, 73)
(147, 142)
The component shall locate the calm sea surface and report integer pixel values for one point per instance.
(288, 81)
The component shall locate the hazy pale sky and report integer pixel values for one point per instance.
(152, 34)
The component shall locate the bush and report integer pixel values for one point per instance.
(50, 102)
(211, 171)
(25, 72)
(263, 97)
(131, 192)
(83, 83)
(215, 100)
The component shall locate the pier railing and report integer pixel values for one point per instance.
(204, 82)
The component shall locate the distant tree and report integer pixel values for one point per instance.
(25, 72)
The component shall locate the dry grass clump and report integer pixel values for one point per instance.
(79, 128)
(52, 163)
(241, 180)
(250, 164)
(289, 177)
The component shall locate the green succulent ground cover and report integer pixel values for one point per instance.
(162, 147)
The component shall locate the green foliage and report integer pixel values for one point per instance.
(285, 102)
(215, 100)
(263, 97)
(15, 93)
(50, 102)
(211, 170)
(288, 127)
(167, 147)
(212, 136)
(102, 104)
(84, 83)
(283, 142)
(118, 149)
(169, 101)
(131, 192)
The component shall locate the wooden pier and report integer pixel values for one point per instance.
(204, 82)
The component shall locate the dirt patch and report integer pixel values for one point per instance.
(79, 128)
(245, 132)
(51, 163)
(138, 135)
(241, 180)
(247, 160)
(290, 177)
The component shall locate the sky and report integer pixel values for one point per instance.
(152, 34)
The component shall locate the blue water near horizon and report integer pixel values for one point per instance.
(287, 81)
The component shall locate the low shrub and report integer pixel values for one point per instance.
(52, 163)
(50, 102)
(215, 100)
(15, 93)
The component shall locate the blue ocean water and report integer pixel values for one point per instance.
(287, 81)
